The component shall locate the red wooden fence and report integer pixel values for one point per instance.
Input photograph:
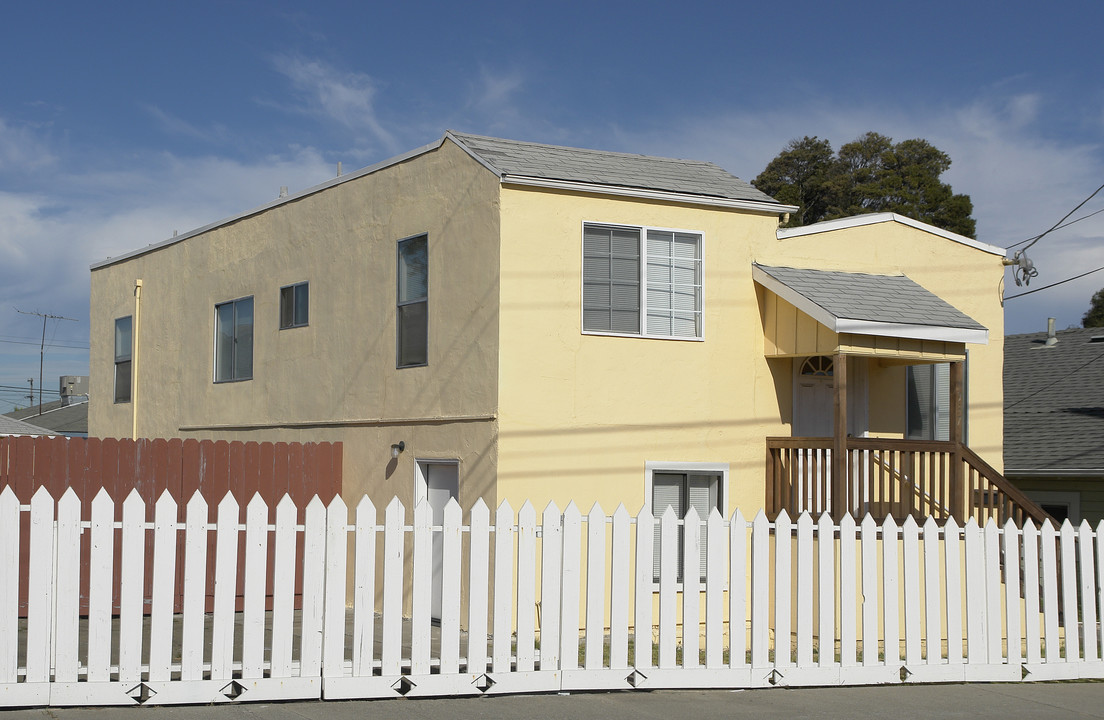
(151, 467)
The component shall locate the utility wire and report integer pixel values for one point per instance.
(1060, 227)
(1060, 282)
(1032, 241)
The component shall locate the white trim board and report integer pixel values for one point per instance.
(875, 218)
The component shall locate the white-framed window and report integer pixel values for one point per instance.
(412, 317)
(123, 348)
(1061, 505)
(234, 340)
(294, 305)
(680, 486)
(642, 281)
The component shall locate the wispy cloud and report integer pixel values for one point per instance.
(343, 97)
(174, 125)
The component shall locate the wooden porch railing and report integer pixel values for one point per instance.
(896, 478)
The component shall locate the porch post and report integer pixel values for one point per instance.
(839, 443)
(957, 436)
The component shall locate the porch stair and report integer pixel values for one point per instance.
(891, 478)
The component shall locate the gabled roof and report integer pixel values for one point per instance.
(875, 218)
(1054, 404)
(552, 166)
(891, 305)
(71, 419)
(11, 426)
(516, 161)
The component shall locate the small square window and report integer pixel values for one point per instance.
(294, 305)
(681, 486)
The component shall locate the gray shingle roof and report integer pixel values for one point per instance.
(62, 419)
(893, 299)
(1054, 402)
(11, 426)
(552, 162)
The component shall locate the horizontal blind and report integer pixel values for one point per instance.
(611, 279)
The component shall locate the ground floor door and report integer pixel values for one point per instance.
(437, 483)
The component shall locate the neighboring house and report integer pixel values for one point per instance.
(67, 416)
(512, 321)
(11, 426)
(1054, 420)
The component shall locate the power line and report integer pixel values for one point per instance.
(1032, 241)
(1060, 227)
(58, 344)
(1060, 282)
(1065, 377)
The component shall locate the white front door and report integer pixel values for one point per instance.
(437, 483)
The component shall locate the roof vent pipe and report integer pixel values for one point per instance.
(339, 168)
(1052, 338)
(283, 191)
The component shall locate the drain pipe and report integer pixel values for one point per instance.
(135, 363)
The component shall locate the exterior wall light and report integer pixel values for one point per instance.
(398, 448)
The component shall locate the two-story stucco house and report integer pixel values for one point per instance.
(513, 321)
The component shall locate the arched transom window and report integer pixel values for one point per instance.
(817, 365)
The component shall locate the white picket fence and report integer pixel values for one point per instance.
(569, 603)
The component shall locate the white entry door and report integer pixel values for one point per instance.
(437, 483)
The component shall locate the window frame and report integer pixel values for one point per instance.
(252, 338)
(642, 231)
(935, 399)
(127, 360)
(292, 322)
(652, 467)
(400, 303)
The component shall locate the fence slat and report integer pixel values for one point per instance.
(314, 572)
(195, 588)
(226, 571)
(364, 589)
(783, 591)
(737, 591)
(256, 581)
(977, 648)
(9, 584)
(911, 548)
(826, 591)
(805, 591)
(422, 589)
(450, 588)
(164, 578)
(1070, 615)
(1088, 589)
(67, 588)
(993, 629)
(691, 588)
(891, 628)
(478, 566)
(1049, 569)
(760, 591)
(569, 616)
(526, 586)
(595, 588)
(668, 570)
(101, 557)
(642, 599)
(1012, 591)
(848, 580)
(503, 587)
(551, 572)
(952, 559)
(715, 548)
(868, 537)
(1031, 592)
(132, 566)
(283, 588)
(333, 613)
(391, 652)
(619, 589)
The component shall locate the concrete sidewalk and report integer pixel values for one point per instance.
(901, 702)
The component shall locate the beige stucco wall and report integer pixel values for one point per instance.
(580, 415)
(336, 378)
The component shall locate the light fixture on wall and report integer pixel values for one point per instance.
(398, 448)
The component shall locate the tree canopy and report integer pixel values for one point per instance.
(871, 174)
(1095, 315)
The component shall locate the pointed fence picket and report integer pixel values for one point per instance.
(527, 604)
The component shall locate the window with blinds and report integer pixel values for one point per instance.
(680, 492)
(929, 402)
(642, 281)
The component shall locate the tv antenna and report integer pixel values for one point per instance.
(42, 348)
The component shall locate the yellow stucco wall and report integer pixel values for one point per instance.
(580, 415)
(336, 378)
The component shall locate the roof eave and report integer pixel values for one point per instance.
(1053, 472)
(867, 327)
(875, 218)
(770, 208)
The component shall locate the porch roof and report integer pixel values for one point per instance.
(889, 305)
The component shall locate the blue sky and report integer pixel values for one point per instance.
(122, 122)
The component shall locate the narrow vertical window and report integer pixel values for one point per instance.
(929, 402)
(413, 303)
(294, 305)
(234, 340)
(123, 345)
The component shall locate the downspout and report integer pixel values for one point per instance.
(134, 365)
